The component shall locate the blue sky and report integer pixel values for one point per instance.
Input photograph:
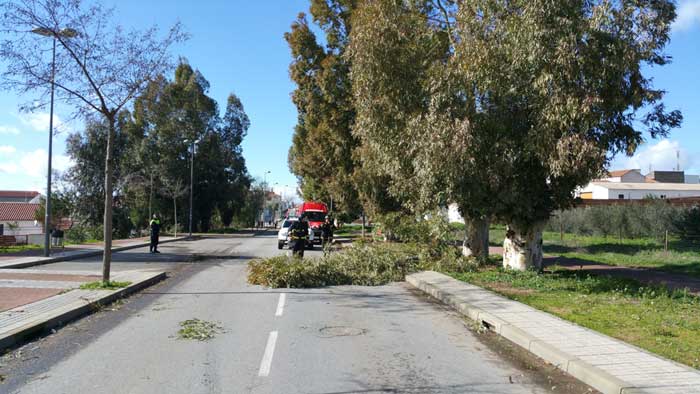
(239, 47)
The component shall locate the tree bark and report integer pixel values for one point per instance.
(175, 214)
(107, 224)
(522, 247)
(476, 238)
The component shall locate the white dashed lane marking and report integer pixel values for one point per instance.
(280, 304)
(266, 362)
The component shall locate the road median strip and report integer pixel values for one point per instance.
(607, 364)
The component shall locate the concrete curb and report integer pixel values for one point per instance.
(61, 316)
(81, 255)
(581, 370)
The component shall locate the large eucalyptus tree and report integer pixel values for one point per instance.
(564, 86)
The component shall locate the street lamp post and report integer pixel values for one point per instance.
(68, 33)
(194, 142)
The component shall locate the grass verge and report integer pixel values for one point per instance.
(653, 318)
(18, 248)
(681, 258)
(99, 285)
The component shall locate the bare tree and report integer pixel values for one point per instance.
(99, 66)
(174, 188)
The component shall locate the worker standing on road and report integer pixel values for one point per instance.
(327, 234)
(155, 233)
(298, 236)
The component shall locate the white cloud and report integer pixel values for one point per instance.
(688, 15)
(7, 149)
(62, 163)
(8, 168)
(9, 130)
(660, 156)
(39, 121)
(34, 164)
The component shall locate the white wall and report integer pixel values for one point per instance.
(24, 228)
(598, 192)
(640, 194)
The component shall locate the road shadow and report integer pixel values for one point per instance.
(608, 247)
(633, 278)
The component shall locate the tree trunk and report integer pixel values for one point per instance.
(150, 201)
(175, 215)
(107, 224)
(476, 238)
(522, 247)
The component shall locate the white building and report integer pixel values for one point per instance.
(637, 191)
(17, 219)
(629, 176)
(632, 185)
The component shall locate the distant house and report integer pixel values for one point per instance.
(18, 218)
(638, 191)
(628, 176)
(632, 185)
(19, 196)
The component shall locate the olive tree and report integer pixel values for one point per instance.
(99, 67)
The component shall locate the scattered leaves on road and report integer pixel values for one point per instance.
(200, 330)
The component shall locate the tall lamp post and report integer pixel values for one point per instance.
(67, 33)
(193, 143)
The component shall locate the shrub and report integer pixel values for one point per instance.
(650, 220)
(687, 225)
(81, 233)
(362, 264)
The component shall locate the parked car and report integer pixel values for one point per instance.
(283, 234)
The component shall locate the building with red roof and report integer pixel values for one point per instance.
(19, 218)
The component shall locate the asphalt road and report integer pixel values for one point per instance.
(387, 339)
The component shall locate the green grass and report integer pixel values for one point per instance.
(352, 229)
(682, 257)
(99, 285)
(18, 248)
(663, 322)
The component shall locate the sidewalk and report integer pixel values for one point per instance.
(74, 252)
(33, 301)
(606, 364)
(644, 275)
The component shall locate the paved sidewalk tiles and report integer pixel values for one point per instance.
(605, 363)
(45, 304)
